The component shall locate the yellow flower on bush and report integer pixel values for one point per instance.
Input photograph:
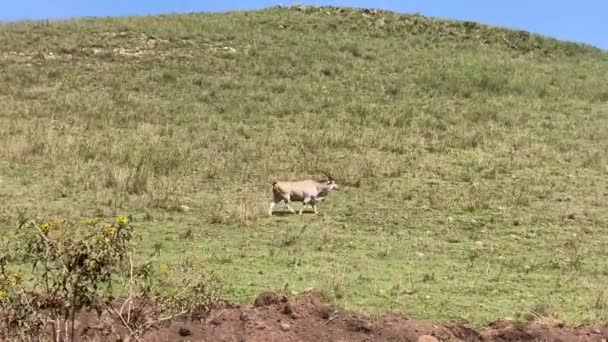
(122, 219)
(15, 278)
(45, 228)
(108, 233)
(2, 293)
(164, 268)
(110, 229)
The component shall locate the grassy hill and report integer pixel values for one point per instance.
(472, 159)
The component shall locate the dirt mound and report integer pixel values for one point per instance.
(273, 317)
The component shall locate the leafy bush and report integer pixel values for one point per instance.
(85, 266)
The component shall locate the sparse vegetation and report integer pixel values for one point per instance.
(76, 267)
(472, 159)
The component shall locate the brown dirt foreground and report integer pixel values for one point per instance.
(273, 317)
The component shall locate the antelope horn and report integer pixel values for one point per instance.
(329, 176)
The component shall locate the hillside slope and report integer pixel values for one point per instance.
(472, 159)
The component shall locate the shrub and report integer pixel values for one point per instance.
(84, 266)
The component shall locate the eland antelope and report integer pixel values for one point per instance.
(307, 191)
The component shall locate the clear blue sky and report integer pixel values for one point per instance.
(581, 21)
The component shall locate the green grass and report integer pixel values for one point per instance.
(472, 159)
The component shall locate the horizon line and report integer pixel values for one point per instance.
(258, 9)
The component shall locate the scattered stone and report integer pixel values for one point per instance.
(184, 332)
(325, 311)
(247, 315)
(285, 327)
(260, 325)
(184, 208)
(265, 298)
(427, 338)
(358, 324)
(287, 309)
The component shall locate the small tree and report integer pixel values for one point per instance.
(76, 266)
(83, 266)
(73, 267)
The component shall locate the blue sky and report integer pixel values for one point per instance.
(581, 21)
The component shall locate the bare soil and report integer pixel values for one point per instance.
(272, 317)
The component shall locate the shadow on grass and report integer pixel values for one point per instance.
(289, 213)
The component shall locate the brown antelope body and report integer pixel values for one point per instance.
(307, 191)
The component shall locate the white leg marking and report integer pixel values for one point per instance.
(290, 208)
(306, 201)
